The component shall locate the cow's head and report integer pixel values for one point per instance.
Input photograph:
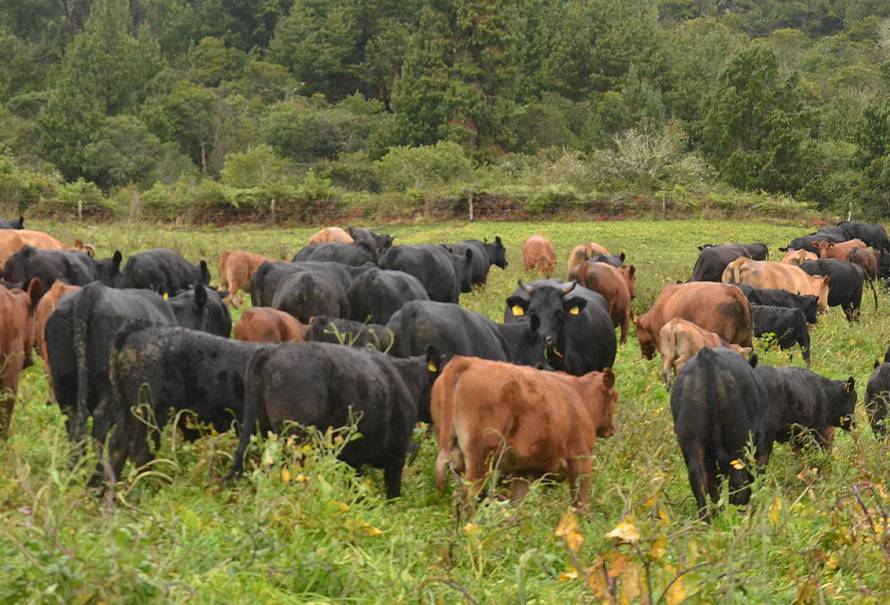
(646, 337)
(547, 307)
(609, 400)
(497, 254)
(822, 247)
(204, 273)
(463, 264)
(630, 276)
(34, 293)
(843, 405)
(819, 287)
(108, 270)
(545, 266)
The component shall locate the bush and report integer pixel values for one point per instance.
(425, 167)
(69, 196)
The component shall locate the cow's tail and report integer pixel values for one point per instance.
(83, 309)
(668, 356)
(256, 285)
(871, 284)
(737, 272)
(707, 360)
(223, 275)
(252, 399)
(443, 400)
(120, 438)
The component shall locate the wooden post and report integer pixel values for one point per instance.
(663, 205)
(470, 198)
(274, 221)
(850, 211)
(79, 210)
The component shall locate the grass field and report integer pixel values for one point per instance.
(301, 527)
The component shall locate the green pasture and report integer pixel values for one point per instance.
(302, 528)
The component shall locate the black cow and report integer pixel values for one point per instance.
(381, 241)
(164, 368)
(434, 266)
(712, 261)
(718, 404)
(789, 327)
(202, 309)
(354, 254)
(808, 242)
(75, 268)
(872, 234)
(329, 386)
(776, 297)
(79, 335)
(349, 333)
(265, 280)
(615, 261)
(755, 251)
(14, 223)
(845, 289)
(877, 396)
(804, 402)
(377, 294)
(164, 271)
(574, 324)
(484, 256)
(306, 294)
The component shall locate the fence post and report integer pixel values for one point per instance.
(850, 211)
(80, 210)
(663, 205)
(274, 221)
(470, 196)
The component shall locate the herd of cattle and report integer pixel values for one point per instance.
(357, 329)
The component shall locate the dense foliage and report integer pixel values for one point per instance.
(156, 97)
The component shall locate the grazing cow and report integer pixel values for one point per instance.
(267, 278)
(777, 275)
(798, 257)
(202, 309)
(349, 333)
(353, 254)
(434, 266)
(839, 251)
(13, 223)
(525, 421)
(585, 252)
(79, 335)
(381, 241)
(13, 240)
(329, 235)
(306, 294)
(164, 271)
(377, 294)
(866, 259)
(169, 370)
(329, 386)
(17, 310)
(74, 268)
(776, 297)
(484, 256)
(846, 284)
(236, 267)
(789, 327)
(718, 405)
(45, 308)
(877, 396)
(811, 241)
(265, 324)
(717, 308)
(615, 288)
(757, 251)
(872, 234)
(712, 261)
(802, 402)
(538, 254)
(679, 340)
(573, 321)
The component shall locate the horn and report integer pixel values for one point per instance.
(528, 289)
(570, 287)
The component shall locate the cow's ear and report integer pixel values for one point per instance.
(433, 360)
(608, 378)
(877, 363)
(518, 305)
(117, 259)
(851, 386)
(497, 240)
(622, 256)
(35, 291)
(574, 306)
(632, 271)
(752, 361)
(200, 296)
(28, 251)
(827, 280)
(887, 356)
(534, 323)
(701, 248)
(469, 254)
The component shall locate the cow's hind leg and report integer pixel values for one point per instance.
(392, 475)
(701, 482)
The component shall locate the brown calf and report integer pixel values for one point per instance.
(528, 421)
(679, 340)
(766, 274)
(16, 342)
(45, 308)
(235, 270)
(614, 285)
(840, 250)
(538, 254)
(264, 324)
(865, 258)
(798, 257)
(581, 253)
(330, 234)
(718, 308)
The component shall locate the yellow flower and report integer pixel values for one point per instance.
(470, 529)
(659, 548)
(737, 464)
(343, 507)
(285, 475)
(774, 511)
(625, 532)
(372, 531)
(568, 576)
(568, 529)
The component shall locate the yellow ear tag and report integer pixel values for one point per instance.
(166, 296)
(575, 311)
(432, 367)
(518, 311)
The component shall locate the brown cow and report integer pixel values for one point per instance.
(527, 421)
(679, 340)
(718, 308)
(581, 253)
(538, 254)
(839, 251)
(865, 258)
(798, 257)
(13, 240)
(16, 342)
(766, 274)
(235, 270)
(330, 234)
(613, 284)
(264, 324)
(45, 308)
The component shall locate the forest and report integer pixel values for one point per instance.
(304, 110)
